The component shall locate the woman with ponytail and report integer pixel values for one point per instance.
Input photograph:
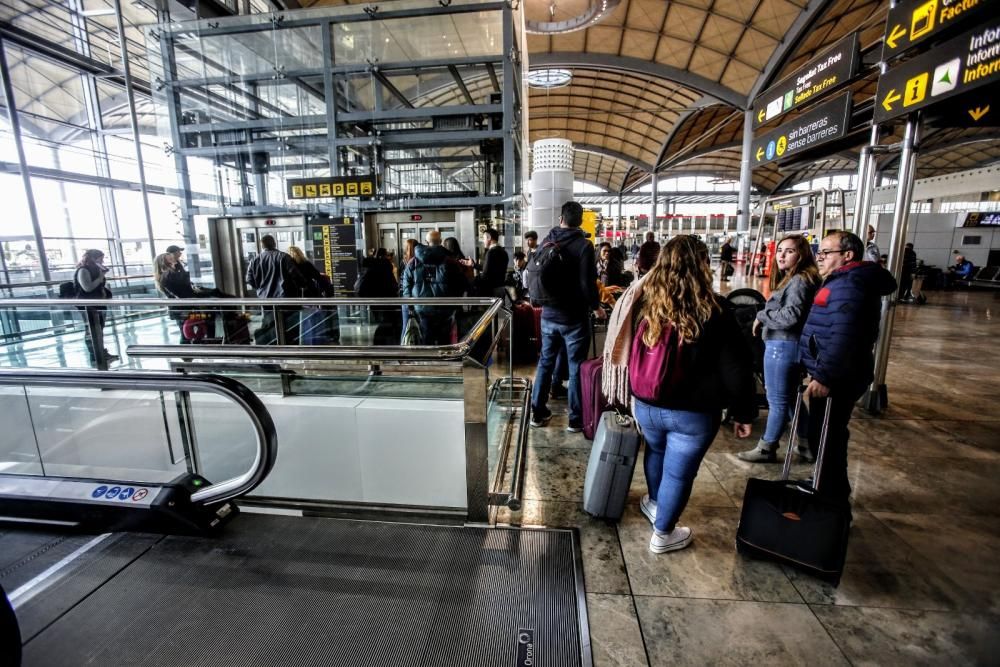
(675, 350)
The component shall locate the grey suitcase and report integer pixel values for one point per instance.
(612, 462)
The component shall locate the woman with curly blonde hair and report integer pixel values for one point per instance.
(675, 350)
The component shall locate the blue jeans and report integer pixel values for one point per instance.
(781, 381)
(676, 442)
(573, 340)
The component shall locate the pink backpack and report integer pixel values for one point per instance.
(655, 372)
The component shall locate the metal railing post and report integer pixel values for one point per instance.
(876, 399)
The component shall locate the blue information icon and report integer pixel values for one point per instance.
(112, 492)
(99, 491)
(126, 493)
(770, 150)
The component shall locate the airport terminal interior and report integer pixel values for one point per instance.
(204, 463)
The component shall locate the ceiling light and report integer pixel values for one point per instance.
(88, 13)
(549, 78)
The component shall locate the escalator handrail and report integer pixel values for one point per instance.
(267, 438)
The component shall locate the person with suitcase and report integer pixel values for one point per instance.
(836, 346)
(676, 348)
(794, 279)
(562, 278)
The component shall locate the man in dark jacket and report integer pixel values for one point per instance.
(273, 275)
(726, 254)
(493, 271)
(433, 272)
(566, 324)
(836, 347)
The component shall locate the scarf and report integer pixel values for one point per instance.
(618, 345)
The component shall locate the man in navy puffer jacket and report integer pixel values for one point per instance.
(836, 346)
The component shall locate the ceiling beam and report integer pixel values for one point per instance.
(627, 159)
(636, 66)
(787, 47)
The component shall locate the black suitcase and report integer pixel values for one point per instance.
(789, 522)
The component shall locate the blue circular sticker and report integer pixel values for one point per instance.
(126, 493)
(99, 491)
(112, 492)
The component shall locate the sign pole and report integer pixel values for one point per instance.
(876, 399)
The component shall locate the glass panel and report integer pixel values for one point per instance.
(419, 38)
(18, 449)
(91, 433)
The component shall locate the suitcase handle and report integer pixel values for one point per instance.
(793, 438)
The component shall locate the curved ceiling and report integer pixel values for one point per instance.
(662, 86)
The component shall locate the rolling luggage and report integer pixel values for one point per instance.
(791, 523)
(612, 462)
(526, 340)
(594, 402)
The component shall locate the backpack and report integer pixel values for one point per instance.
(545, 276)
(68, 290)
(655, 373)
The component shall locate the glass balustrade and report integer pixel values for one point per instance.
(390, 404)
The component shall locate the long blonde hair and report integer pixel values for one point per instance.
(161, 266)
(296, 254)
(806, 266)
(678, 290)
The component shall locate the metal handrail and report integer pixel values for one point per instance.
(451, 352)
(254, 302)
(54, 283)
(260, 418)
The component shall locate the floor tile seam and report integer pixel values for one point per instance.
(631, 592)
(644, 596)
(936, 610)
(829, 634)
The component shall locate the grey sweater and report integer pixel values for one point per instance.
(785, 312)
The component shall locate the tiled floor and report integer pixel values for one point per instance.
(922, 583)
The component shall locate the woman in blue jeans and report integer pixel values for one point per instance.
(794, 279)
(705, 366)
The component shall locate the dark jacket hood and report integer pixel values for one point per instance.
(564, 235)
(870, 273)
(431, 254)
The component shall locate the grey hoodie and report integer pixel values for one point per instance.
(786, 311)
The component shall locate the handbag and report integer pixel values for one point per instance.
(791, 523)
(655, 371)
(411, 334)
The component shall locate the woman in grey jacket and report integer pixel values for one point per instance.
(794, 279)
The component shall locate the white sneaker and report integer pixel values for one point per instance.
(676, 539)
(648, 508)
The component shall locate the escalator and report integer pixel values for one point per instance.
(107, 581)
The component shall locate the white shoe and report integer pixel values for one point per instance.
(648, 508)
(676, 539)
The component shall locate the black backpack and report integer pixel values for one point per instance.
(545, 276)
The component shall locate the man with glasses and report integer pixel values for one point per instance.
(836, 346)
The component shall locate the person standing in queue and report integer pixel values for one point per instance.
(794, 279)
(675, 348)
(493, 270)
(570, 294)
(836, 347)
(273, 275)
(91, 283)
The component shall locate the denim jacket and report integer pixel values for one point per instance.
(786, 311)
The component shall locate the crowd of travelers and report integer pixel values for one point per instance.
(818, 328)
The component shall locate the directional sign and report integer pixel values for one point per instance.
(825, 123)
(912, 22)
(823, 74)
(965, 63)
(331, 187)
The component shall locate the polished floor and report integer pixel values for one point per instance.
(922, 582)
